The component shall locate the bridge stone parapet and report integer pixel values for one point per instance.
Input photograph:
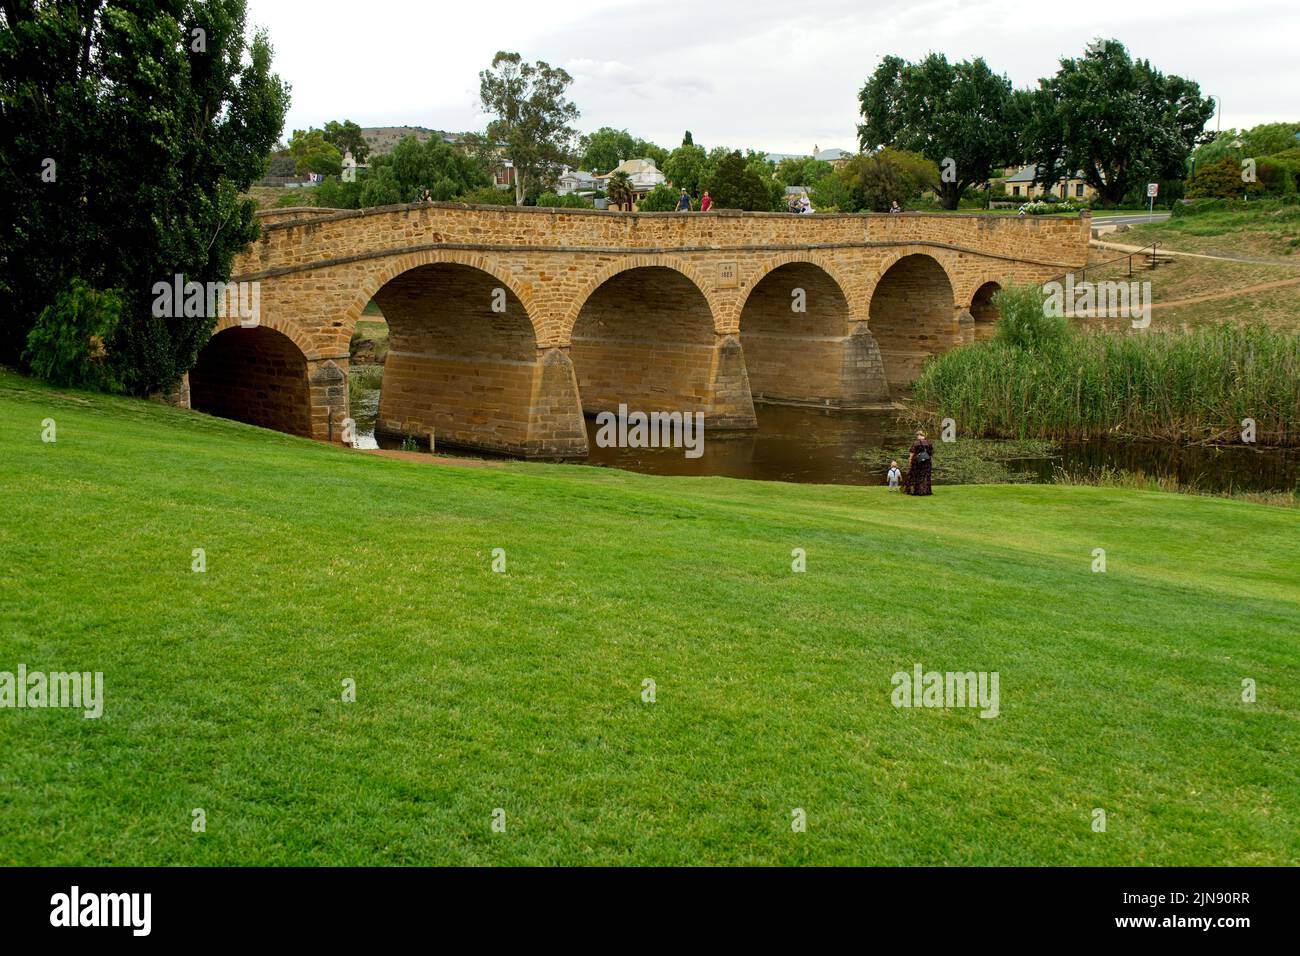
(507, 324)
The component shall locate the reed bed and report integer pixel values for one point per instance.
(1184, 386)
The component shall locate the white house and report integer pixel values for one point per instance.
(645, 175)
(576, 181)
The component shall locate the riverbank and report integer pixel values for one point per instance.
(523, 691)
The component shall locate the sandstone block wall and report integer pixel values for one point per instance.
(256, 376)
(656, 310)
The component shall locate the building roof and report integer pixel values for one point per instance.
(634, 166)
(1028, 174)
(832, 155)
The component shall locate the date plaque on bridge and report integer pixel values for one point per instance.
(727, 278)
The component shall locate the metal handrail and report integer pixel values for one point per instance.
(1154, 248)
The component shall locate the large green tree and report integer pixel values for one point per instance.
(532, 118)
(346, 137)
(404, 173)
(606, 148)
(128, 130)
(1121, 121)
(684, 167)
(802, 171)
(412, 167)
(873, 181)
(957, 114)
(313, 153)
(735, 184)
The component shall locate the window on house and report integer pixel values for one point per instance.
(1015, 190)
(1078, 190)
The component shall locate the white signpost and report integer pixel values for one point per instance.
(1153, 190)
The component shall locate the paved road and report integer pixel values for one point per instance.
(1128, 220)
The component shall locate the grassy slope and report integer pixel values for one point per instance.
(478, 690)
(1269, 231)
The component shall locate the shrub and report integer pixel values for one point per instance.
(488, 196)
(1221, 180)
(66, 345)
(333, 193)
(1046, 207)
(660, 199)
(1279, 178)
(550, 200)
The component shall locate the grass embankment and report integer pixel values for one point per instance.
(1162, 384)
(1188, 292)
(1267, 229)
(523, 690)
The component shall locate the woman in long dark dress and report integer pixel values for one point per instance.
(918, 466)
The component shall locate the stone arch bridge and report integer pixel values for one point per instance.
(506, 325)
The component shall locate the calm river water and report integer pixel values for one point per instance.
(843, 448)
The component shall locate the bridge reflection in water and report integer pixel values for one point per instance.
(845, 447)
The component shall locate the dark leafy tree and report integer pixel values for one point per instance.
(1222, 180)
(660, 199)
(802, 171)
(1123, 122)
(735, 184)
(313, 153)
(874, 181)
(956, 114)
(684, 167)
(411, 167)
(128, 131)
(606, 148)
(346, 138)
(1042, 133)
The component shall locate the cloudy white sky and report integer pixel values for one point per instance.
(778, 75)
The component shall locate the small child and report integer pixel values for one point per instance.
(894, 476)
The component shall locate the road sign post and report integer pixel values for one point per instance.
(1153, 190)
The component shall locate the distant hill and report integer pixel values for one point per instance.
(382, 139)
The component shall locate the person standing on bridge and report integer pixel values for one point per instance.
(706, 203)
(919, 467)
(684, 202)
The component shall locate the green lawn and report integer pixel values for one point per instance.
(522, 690)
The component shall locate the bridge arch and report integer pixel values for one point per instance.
(642, 261)
(462, 359)
(390, 267)
(912, 314)
(794, 325)
(983, 311)
(820, 263)
(270, 319)
(646, 337)
(256, 375)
